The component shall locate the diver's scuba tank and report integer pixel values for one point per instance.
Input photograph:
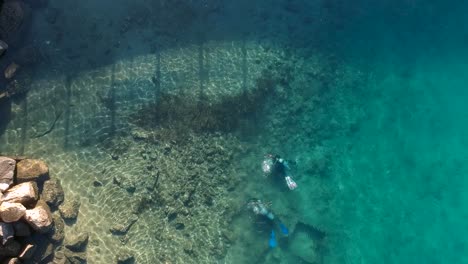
(259, 208)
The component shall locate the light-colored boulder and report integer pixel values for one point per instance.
(7, 171)
(52, 193)
(11, 212)
(31, 170)
(6, 232)
(25, 193)
(39, 218)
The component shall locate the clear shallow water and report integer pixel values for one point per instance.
(369, 98)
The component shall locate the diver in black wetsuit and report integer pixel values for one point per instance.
(274, 164)
(261, 209)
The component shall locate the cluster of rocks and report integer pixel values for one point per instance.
(33, 215)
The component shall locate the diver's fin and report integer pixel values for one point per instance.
(272, 241)
(284, 229)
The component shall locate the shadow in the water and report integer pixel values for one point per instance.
(68, 95)
(5, 114)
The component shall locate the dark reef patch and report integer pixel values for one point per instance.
(175, 116)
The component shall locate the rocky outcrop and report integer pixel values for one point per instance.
(39, 218)
(25, 193)
(52, 193)
(31, 170)
(11, 212)
(29, 230)
(7, 170)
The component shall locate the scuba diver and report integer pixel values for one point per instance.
(274, 164)
(261, 209)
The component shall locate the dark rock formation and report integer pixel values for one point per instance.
(11, 249)
(52, 193)
(14, 20)
(57, 234)
(21, 229)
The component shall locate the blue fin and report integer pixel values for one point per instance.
(272, 241)
(284, 229)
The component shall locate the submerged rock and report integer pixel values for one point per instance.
(78, 242)
(39, 218)
(11, 212)
(7, 170)
(31, 170)
(125, 257)
(57, 234)
(70, 209)
(52, 193)
(11, 70)
(25, 193)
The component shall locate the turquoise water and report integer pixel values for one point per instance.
(367, 98)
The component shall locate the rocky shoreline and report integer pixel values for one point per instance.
(33, 214)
